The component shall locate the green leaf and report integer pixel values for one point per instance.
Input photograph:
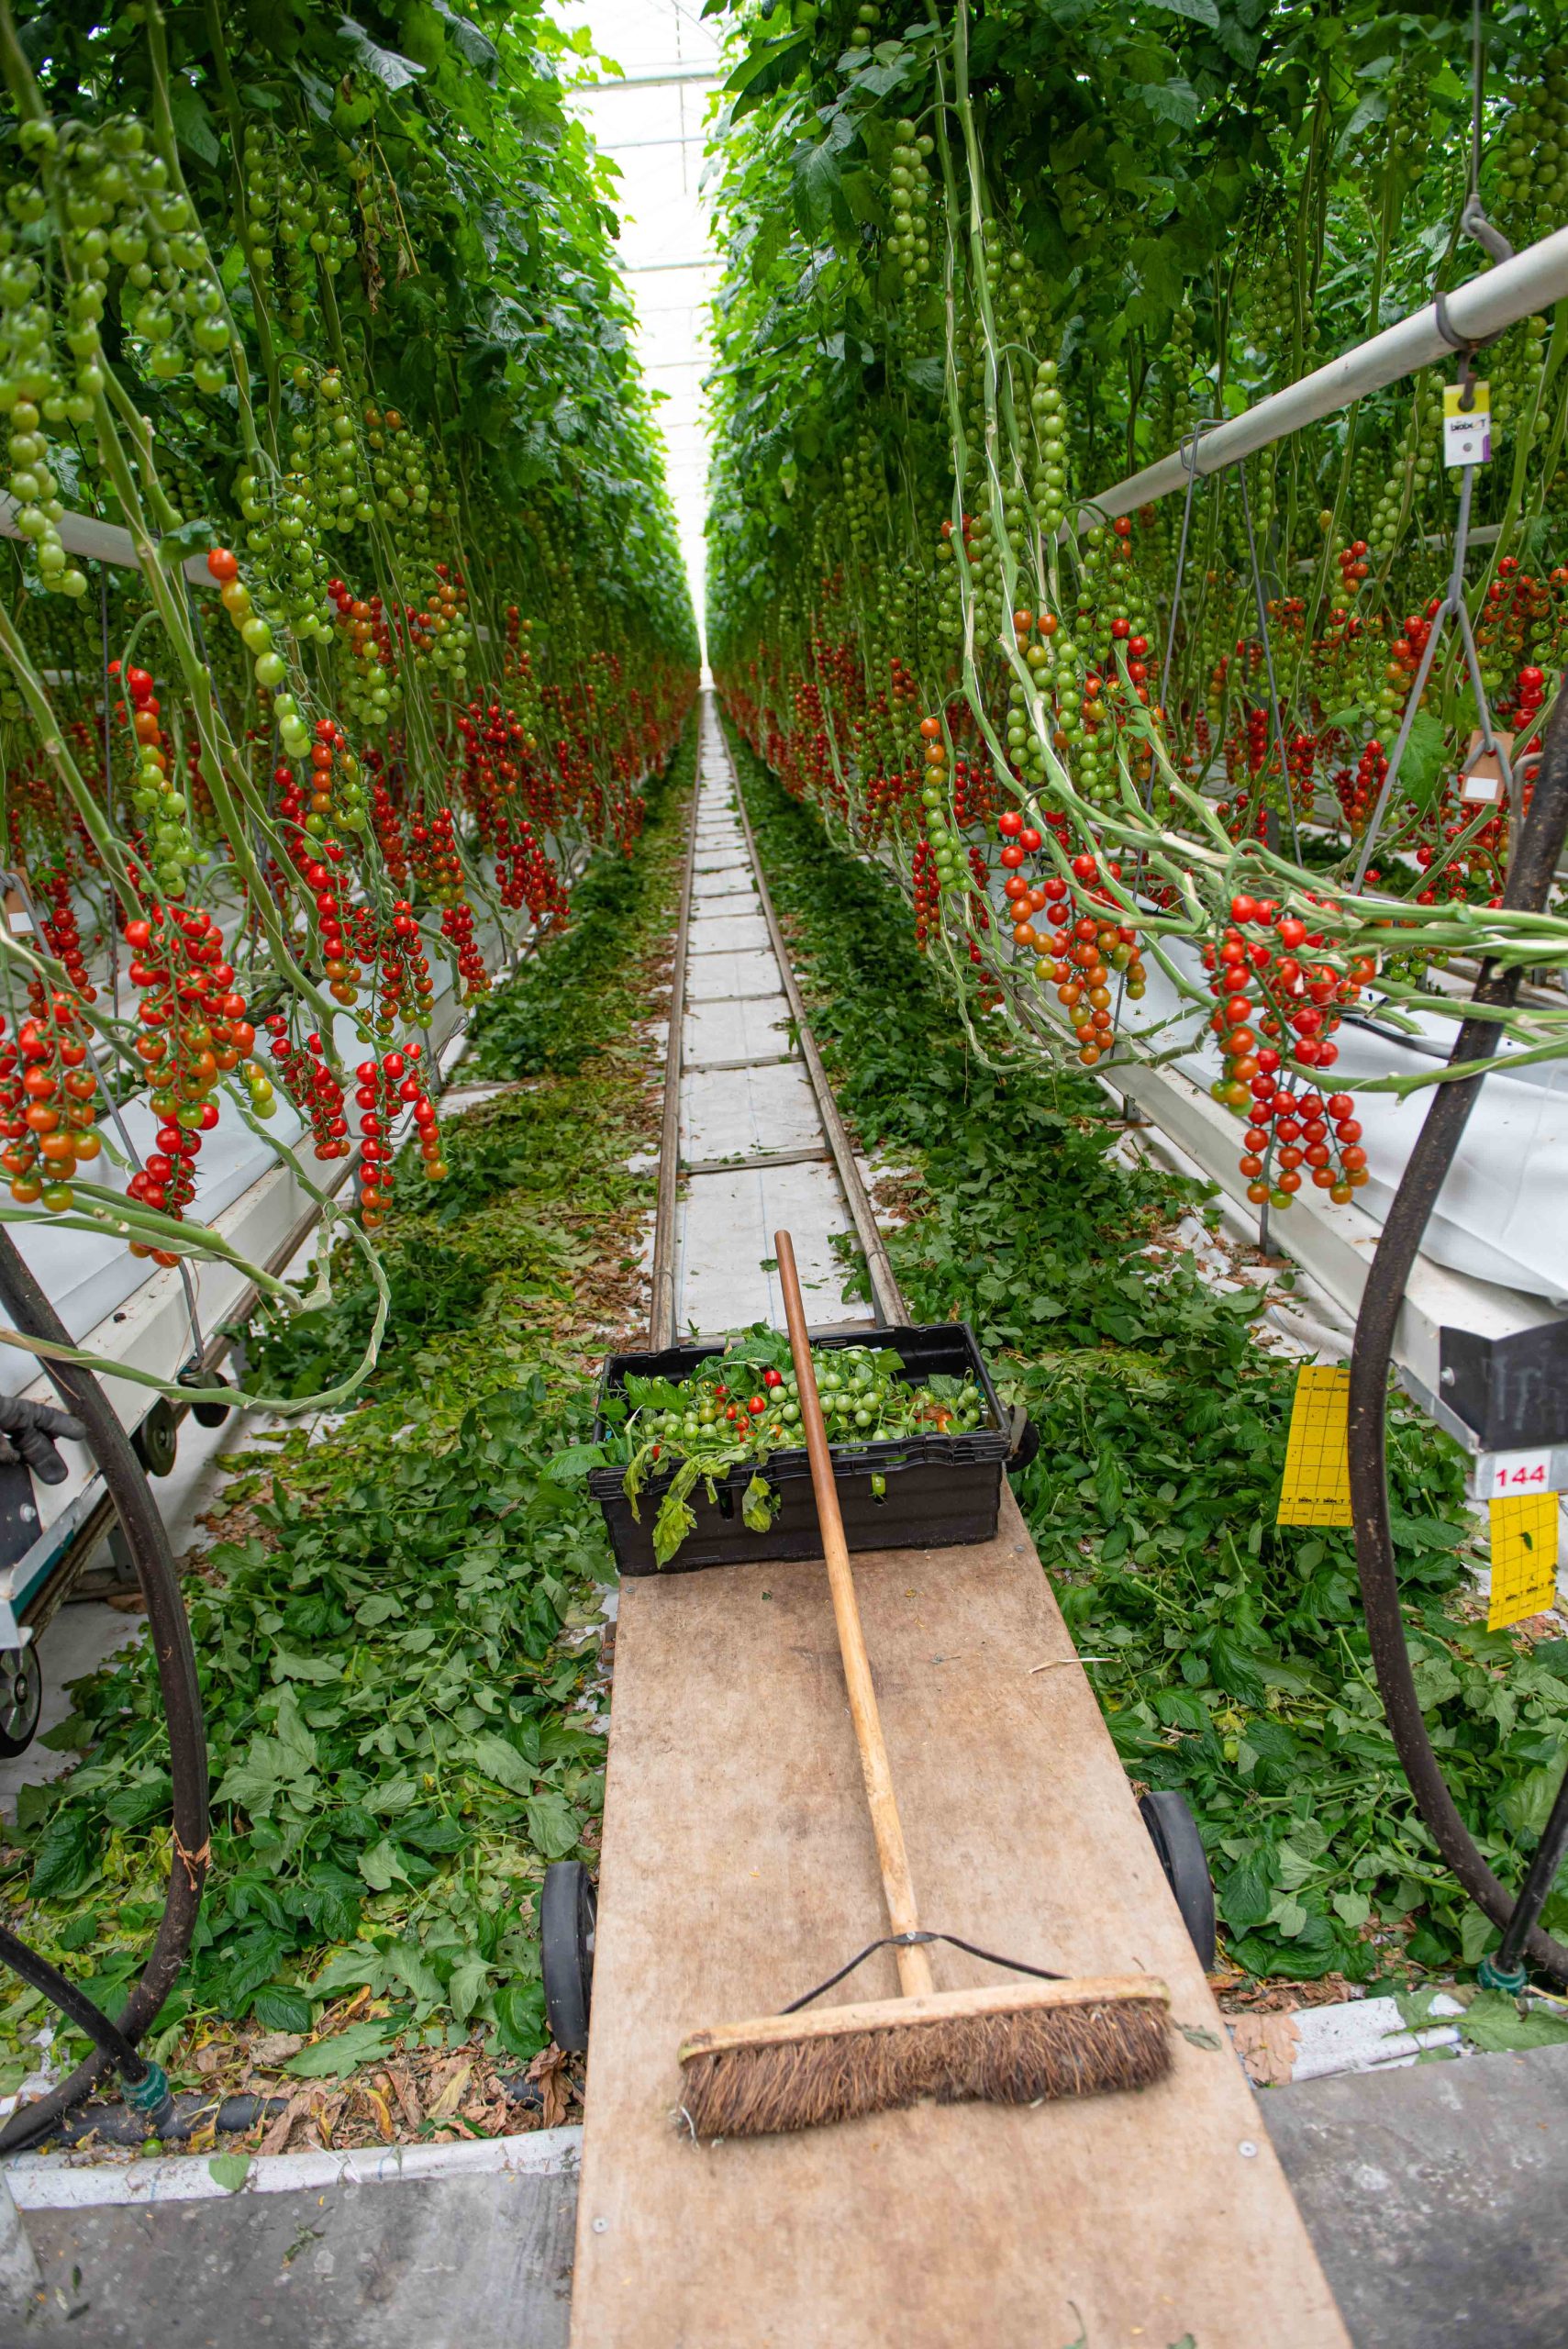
(146, 1797)
(502, 1762)
(246, 1963)
(520, 2019)
(1426, 758)
(764, 69)
(191, 537)
(553, 1826)
(673, 1524)
(230, 2171)
(317, 1669)
(193, 123)
(382, 1866)
(393, 72)
(570, 1465)
(1353, 1908)
(758, 1505)
(1525, 1806)
(1181, 1708)
(1426, 1534)
(476, 47)
(1247, 1896)
(411, 1966)
(67, 1858)
(1171, 101)
(1496, 2022)
(255, 1783)
(467, 1987)
(1476, 1932)
(277, 2008)
(1202, 12)
(335, 2058)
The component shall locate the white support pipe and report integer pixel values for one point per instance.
(1500, 298)
(83, 534)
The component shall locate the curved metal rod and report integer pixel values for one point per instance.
(170, 1632)
(1530, 877)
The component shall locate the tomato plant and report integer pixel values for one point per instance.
(400, 1689)
(323, 312)
(1228, 1653)
(982, 265)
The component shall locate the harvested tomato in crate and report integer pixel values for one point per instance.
(701, 1465)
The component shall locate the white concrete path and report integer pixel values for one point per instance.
(745, 1098)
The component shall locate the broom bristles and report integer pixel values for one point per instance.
(1010, 2057)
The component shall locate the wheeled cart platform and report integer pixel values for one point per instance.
(737, 1870)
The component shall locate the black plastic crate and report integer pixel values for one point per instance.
(941, 1489)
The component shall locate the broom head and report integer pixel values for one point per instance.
(1006, 2044)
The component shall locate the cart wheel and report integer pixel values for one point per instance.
(207, 1415)
(567, 1909)
(1024, 1437)
(1174, 1836)
(21, 1695)
(157, 1439)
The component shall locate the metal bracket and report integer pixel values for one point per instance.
(1511, 1392)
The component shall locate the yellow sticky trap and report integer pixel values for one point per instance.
(1524, 1557)
(1316, 1489)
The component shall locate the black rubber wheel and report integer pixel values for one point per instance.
(1174, 1833)
(207, 1415)
(1025, 1438)
(156, 1440)
(21, 1697)
(567, 1910)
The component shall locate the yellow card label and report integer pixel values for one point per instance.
(1316, 1489)
(1467, 432)
(1524, 1557)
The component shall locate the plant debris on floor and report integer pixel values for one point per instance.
(1227, 1653)
(399, 1633)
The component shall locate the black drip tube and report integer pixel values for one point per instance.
(32, 1314)
(1530, 876)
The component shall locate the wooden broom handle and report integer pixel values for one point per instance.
(913, 1967)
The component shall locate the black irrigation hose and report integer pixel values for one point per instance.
(147, 2090)
(1530, 877)
(188, 2117)
(31, 1312)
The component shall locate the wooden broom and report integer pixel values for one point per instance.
(1015, 2044)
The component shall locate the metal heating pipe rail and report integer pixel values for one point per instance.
(1533, 279)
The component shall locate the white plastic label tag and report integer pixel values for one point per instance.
(1467, 432)
(1480, 778)
(1499, 1474)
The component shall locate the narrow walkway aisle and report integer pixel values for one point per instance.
(754, 1155)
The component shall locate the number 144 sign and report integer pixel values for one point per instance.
(1498, 1474)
